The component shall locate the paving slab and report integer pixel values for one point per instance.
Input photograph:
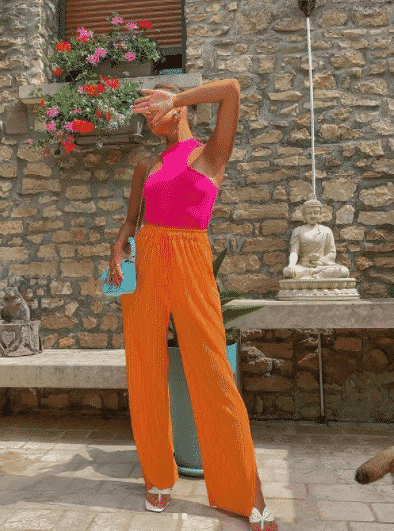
(56, 475)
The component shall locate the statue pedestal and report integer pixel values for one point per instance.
(19, 338)
(308, 289)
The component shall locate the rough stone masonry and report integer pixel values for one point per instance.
(58, 219)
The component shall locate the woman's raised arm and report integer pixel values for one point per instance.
(226, 92)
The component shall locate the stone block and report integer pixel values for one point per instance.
(56, 401)
(306, 381)
(15, 119)
(348, 343)
(20, 338)
(272, 384)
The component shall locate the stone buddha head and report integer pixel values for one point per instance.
(312, 210)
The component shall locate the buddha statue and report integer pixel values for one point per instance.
(312, 248)
(312, 273)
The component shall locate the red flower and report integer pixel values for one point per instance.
(145, 24)
(108, 116)
(68, 146)
(85, 38)
(42, 102)
(57, 71)
(93, 90)
(63, 47)
(110, 82)
(82, 126)
(98, 113)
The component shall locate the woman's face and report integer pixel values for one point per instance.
(165, 123)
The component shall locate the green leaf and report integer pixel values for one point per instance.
(232, 313)
(218, 262)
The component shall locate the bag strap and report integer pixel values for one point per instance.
(142, 195)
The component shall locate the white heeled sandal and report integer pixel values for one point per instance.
(256, 517)
(155, 508)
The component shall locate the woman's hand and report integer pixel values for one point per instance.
(156, 103)
(115, 271)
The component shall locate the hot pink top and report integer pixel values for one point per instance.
(177, 195)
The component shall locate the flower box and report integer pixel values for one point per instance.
(132, 69)
(131, 133)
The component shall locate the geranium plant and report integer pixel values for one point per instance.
(84, 108)
(127, 42)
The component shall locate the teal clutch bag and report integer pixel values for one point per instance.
(129, 281)
(127, 265)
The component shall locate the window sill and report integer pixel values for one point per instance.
(181, 80)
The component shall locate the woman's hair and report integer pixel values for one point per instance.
(191, 109)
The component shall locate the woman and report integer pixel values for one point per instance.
(174, 274)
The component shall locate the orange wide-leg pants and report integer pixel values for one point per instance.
(174, 274)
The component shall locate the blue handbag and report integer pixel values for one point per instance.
(127, 266)
(129, 281)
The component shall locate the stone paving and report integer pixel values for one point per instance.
(63, 474)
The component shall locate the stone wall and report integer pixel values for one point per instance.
(263, 44)
(59, 218)
(280, 370)
(280, 380)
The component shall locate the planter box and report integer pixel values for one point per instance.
(147, 82)
(133, 70)
(131, 133)
(19, 338)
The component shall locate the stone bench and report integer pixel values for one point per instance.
(105, 369)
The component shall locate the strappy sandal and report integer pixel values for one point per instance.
(262, 522)
(159, 507)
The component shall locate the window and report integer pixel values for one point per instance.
(167, 16)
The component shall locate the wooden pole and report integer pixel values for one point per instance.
(377, 467)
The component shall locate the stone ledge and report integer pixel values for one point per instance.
(66, 368)
(373, 313)
(181, 80)
(106, 369)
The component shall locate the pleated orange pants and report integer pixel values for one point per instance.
(174, 274)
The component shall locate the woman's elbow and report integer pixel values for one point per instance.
(235, 84)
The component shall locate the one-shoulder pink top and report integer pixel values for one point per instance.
(178, 195)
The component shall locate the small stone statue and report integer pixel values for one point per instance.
(312, 273)
(14, 307)
(312, 248)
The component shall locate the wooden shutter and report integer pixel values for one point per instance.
(165, 15)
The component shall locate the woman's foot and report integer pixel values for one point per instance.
(157, 500)
(262, 520)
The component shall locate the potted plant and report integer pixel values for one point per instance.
(86, 56)
(186, 449)
(77, 110)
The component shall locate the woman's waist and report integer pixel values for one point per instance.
(170, 229)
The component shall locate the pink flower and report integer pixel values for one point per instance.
(52, 112)
(30, 141)
(131, 25)
(84, 33)
(75, 111)
(117, 20)
(51, 126)
(129, 56)
(69, 137)
(100, 52)
(69, 126)
(121, 45)
(94, 59)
